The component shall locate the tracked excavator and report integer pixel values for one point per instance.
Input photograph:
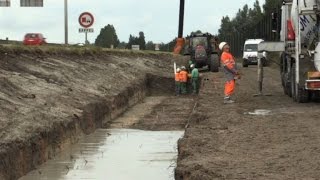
(201, 47)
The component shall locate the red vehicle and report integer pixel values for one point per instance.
(34, 39)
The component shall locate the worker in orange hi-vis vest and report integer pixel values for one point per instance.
(230, 70)
(177, 82)
(183, 80)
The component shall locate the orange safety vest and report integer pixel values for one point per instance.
(183, 76)
(228, 60)
(177, 76)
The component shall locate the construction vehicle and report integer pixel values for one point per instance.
(203, 51)
(202, 47)
(300, 60)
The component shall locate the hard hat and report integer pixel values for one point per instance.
(178, 69)
(221, 45)
(183, 67)
(192, 66)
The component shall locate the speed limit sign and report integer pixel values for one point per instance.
(86, 19)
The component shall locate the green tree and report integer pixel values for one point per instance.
(150, 46)
(196, 32)
(245, 21)
(142, 41)
(169, 46)
(270, 6)
(133, 40)
(122, 45)
(107, 37)
(226, 27)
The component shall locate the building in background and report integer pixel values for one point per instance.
(157, 47)
(135, 47)
(4, 3)
(31, 3)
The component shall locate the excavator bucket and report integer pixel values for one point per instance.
(179, 46)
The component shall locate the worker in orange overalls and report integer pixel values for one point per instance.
(183, 80)
(230, 70)
(177, 82)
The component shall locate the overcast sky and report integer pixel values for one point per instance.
(158, 19)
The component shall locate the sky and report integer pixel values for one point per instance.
(158, 19)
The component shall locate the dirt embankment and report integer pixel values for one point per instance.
(236, 142)
(51, 97)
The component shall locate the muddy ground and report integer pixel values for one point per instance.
(51, 97)
(228, 142)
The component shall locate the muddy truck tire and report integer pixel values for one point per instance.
(214, 63)
(245, 63)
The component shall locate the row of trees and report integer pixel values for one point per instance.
(244, 23)
(108, 38)
(246, 19)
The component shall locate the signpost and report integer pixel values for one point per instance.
(66, 22)
(86, 30)
(31, 3)
(86, 20)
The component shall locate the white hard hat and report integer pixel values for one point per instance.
(178, 69)
(183, 67)
(221, 45)
(192, 66)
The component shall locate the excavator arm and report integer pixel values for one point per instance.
(180, 40)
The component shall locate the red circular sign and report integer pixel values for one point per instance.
(86, 19)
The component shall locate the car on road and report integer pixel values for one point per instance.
(34, 39)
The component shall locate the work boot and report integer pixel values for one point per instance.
(228, 100)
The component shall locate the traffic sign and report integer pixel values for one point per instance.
(85, 30)
(86, 19)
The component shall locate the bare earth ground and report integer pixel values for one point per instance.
(227, 142)
(40, 90)
(221, 141)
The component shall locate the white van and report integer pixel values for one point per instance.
(250, 53)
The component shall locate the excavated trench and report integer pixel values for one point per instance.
(150, 108)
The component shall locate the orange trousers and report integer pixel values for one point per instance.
(229, 87)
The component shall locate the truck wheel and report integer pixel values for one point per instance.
(316, 96)
(301, 95)
(288, 88)
(285, 77)
(244, 63)
(214, 63)
(293, 81)
(264, 62)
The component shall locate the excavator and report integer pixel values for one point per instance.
(201, 47)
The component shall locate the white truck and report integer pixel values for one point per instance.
(251, 54)
(300, 60)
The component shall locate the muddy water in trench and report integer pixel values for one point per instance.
(117, 154)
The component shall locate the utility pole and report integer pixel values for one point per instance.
(66, 22)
